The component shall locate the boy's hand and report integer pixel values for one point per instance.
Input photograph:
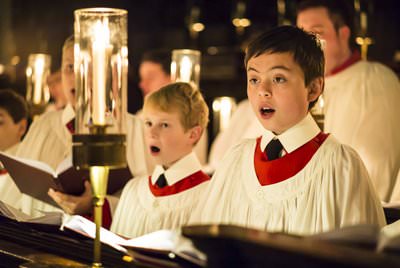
(72, 204)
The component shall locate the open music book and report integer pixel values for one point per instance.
(365, 236)
(169, 243)
(34, 178)
(51, 218)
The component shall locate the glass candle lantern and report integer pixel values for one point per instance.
(101, 68)
(37, 91)
(185, 66)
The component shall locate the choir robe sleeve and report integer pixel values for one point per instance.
(361, 110)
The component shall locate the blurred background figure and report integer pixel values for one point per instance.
(58, 98)
(360, 97)
(154, 70)
(13, 119)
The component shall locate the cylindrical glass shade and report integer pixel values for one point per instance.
(223, 108)
(101, 67)
(185, 66)
(37, 91)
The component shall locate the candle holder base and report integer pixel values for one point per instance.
(99, 150)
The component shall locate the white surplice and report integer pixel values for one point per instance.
(361, 110)
(50, 141)
(139, 211)
(332, 190)
(9, 192)
(244, 124)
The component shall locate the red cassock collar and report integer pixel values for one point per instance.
(270, 172)
(180, 186)
(355, 57)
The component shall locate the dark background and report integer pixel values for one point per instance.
(32, 26)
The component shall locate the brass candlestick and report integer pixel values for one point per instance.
(98, 153)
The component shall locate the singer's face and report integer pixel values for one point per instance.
(10, 131)
(152, 77)
(67, 74)
(166, 138)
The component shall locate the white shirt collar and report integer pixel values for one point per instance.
(184, 167)
(68, 114)
(294, 137)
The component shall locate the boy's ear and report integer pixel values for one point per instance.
(22, 125)
(344, 34)
(315, 89)
(195, 134)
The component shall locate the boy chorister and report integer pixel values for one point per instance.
(49, 140)
(174, 117)
(13, 125)
(294, 178)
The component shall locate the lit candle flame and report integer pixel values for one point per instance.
(185, 69)
(100, 44)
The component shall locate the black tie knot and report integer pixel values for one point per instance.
(274, 149)
(161, 182)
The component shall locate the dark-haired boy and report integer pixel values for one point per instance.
(294, 178)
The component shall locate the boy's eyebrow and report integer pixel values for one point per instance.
(274, 67)
(252, 69)
(280, 67)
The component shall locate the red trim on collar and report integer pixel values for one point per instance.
(71, 126)
(355, 57)
(3, 171)
(182, 185)
(270, 172)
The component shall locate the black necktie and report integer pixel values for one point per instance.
(161, 181)
(273, 149)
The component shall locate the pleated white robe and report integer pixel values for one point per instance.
(333, 190)
(361, 110)
(140, 211)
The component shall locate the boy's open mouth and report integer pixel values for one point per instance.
(154, 149)
(265, 110)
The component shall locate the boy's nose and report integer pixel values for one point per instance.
(264, 92)
(153, 132)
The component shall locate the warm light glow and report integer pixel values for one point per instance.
(241, 22)
(223, 108)
(100, 44)
(186, 69)
(28, 71)
(185, 66)
(38, 79)
(15, 60)
(198, 27)
(363, 22)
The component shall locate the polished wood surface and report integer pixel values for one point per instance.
(232, 246)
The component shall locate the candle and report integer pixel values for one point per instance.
(186, 69)
(38, 73)
(225, 112)
(100, 44)
(363, 19)
(223, 108)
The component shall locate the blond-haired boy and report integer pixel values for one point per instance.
(174, 117)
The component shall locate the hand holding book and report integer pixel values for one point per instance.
(72, 204)
(35, 178)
